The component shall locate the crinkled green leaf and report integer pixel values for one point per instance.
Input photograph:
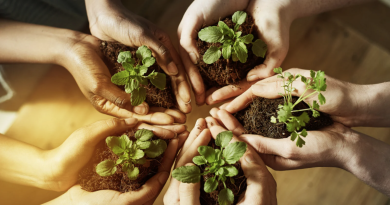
(143, 52)
(238, 34)
(148, 61)
(220, 162)
(207, 152)
(138, 154)
(131, 86)
(159, 80)
(303, 79)
(225, 29)
(211, 34)
(210, 185)
(303, 119)
(106, 168)
(225, 197)
(226, 51)
(142, 70)
(118, 144)
(199, 160)
(138, 96)
(241, 50)
(143, 134)
(321, 98)
(187, 174)
(239, 17)
(223, 138)
(234, 151)
(316, 105)
(128, 66)
(133, 173)
(259, 48)
(143, 145)
(231, 171)
(211, 55)
(124, 56)
(247, 39)
(120, 78)
(157, 147)
(119, 161)
(303, 133)
(142, 80)
(218, 154)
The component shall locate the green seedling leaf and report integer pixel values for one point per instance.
(210, 185)
(138, 154)
(226, 51)
(232, 181)
(321, 98)
(140, 161)
(119, 161)
(273, 119)
(157, 147)
(211, 34)
(187, 174)
(130, 87)
(239, 17)
(220, 162)
(199, 160)
(143, 145)
(259, 48)
(148, 61)
(121, 78)
(278, 70)
(300, 142)
(211, 55)
(225, 29)
(124, 57)
(225, 197)
(234, 151)
(316, 105)
(293, 136)
(247, 39)
(241, 50)
(238, 34)
(223, 138)
(207, 152)
(159, 80)
(106, 168)
(303, 79)
(230, 171)
(234, 56)
(143, 135)
(142, 70)
(304, 133)
(129, 67)
(138, 96)
(118, 144)
(133, 173)
(143, 52)
(312, 74)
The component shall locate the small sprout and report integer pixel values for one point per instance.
(233, 44)
(294, 124)
(131, 153)
(218, 162)
(134, 75)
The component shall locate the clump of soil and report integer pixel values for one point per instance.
(225, 71)
(154, 96)
(256, 118)
(89, 180)
(238, 187)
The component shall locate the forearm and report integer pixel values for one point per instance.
(369, 160)
(21, 163)
(29, 43)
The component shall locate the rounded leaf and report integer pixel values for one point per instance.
(106, 168)
(157, 147)
(224, 138)
(207, 152)
(230, 171)
(187, 174)
(121, 78)
(211, 55)
(148, 61)
(143, 52)
(210, 185)
(124, 56)
(159, 80)
(234, 151)
(211, 34)
(259, 48)
(133, 173)
(199, 160)
(225, 197)
(143, 134)
(138, 96)
(239, 17)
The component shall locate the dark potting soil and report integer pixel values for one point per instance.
(238, 187)
(89, 180)
(226, 71)
(154, 96)
(256, 118)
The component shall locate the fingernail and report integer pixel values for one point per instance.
(188, 102)
(252, 78)
(249, 158)
(193, 58)
(163, 177)
(140, 109)
(172, 69)
(131, 121)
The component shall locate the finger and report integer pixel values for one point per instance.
(214, 113)
(158, 131)
(178, 116)
(174, 128)
(182, 138)
(200, 125)
(214, 126)
(223, 106)
(182, 92)
(227, 92)
(265, 145)
(280, 163)
(189, 192)
(231, 123)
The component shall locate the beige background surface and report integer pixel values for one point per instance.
(351, 44)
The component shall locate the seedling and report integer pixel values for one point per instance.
(131, 153)
(134, 75)
(218, 162)
(317, 82)
(233, 44)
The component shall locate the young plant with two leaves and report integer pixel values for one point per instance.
(233, 44)
(131, 153)
(134, 78)
(218, 162)
(294, 124)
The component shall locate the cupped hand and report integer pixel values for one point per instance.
(111, 21)
(84, 61)
(66, 161)
(273, 24)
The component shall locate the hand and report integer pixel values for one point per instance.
(272, 20)
(261, 185)
(92, 76)
(111, 21)
(66, 161)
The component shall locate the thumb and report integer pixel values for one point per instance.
(189, 192)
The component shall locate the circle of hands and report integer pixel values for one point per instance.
(334, 146)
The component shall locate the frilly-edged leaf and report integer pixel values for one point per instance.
(120, 78)
(124, 57)
(118, 144)
(148, 61)
(187, 174)
(143, 52)
(138, 96)
(143, 134)
(234, 151)
(157, 147)
(207, 152)
(224, 138)
(106, 168)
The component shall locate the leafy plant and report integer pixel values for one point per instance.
(317, 82)
(233, 44)
(218, 162)
(134, 75)
(131, 153)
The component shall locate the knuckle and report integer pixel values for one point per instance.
(114, 122)
(121, 102)
(289, 152)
